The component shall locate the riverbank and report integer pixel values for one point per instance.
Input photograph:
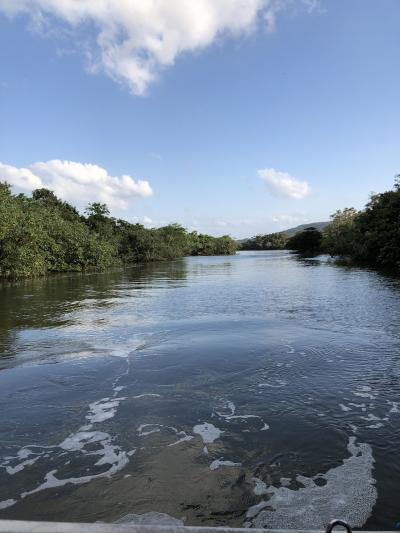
(43, 234)
(368, 238)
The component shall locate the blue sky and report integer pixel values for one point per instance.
(248, 116)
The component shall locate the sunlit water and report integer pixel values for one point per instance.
(257, 389)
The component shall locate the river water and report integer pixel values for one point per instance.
(258, 389)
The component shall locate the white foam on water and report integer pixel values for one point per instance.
(100, 445)
(395, 407)
(375, 426)
(7, 503)
(232, 416)
(241, 417)
(220, 462)
(227, 406)
(149, 394)
(184, 438)
(231, 406)
(11, 470)
(344, 407)
(103, 409)
(260, 487)
(208, 432)
(349, 493)
(51, 481)
(155, 429)
(77, 441)
(110, 454)
(24, 453)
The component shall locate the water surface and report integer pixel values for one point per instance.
(257, 389)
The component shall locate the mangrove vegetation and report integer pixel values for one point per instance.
(368, 237)
(42, 234)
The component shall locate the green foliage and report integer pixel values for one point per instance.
(271, 241)
(206, 245)
(97, 210)
(371, 236)
(168, 242)
(339, 237)
(306, 242)
(43, 234)
(47, 198)
(378, 231)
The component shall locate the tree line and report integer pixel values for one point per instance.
(368, 237)
(41, 234)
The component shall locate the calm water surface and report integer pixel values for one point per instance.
(257, 389)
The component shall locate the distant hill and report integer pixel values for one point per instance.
(292, 231)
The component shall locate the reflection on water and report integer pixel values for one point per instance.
(258, 389)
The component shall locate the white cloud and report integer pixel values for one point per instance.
(283, 184)
(78, 183)
(147, 221)
(23, 178)
(284, 218)
(135, 39)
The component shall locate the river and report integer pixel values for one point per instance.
(257, 389)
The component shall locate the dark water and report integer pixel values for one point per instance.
(202, 388)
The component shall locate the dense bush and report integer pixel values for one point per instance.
(370, 237)
(377, 231)
(306, 242)
(42, 234)
(270, 241)
(340, 235)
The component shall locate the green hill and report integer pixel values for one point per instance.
(292, 231)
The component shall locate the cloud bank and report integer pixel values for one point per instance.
(283, 184)
(135, 39)
(79, 183)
